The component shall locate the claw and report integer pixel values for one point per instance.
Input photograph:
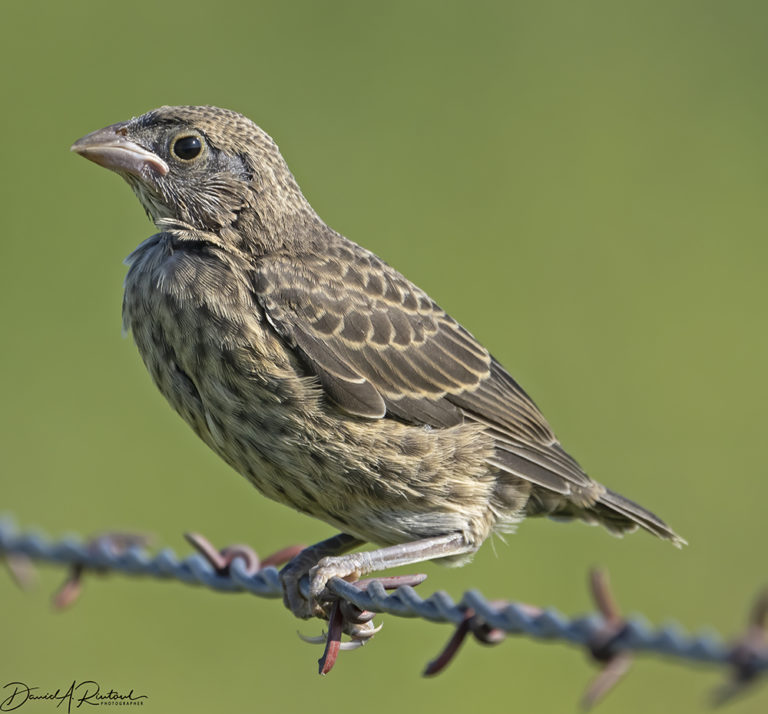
(352, 613)
(313, 639)
(322, 638)
(363, 632)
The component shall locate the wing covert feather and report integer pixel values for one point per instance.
(380, 346)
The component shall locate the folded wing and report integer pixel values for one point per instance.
(381, 348)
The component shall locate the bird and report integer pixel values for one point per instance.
(326, 378)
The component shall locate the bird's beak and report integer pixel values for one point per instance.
(109, 147)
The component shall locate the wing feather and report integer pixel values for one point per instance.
(381, 347)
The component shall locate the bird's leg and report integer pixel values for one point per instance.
(301, 564)
(355, 565)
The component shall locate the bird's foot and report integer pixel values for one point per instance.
(347, 567)
(293, 598)
(299, 599)
(323, 561)
(346, 618)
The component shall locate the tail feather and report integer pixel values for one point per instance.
(636, 514)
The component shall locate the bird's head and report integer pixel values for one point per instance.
(208, 168)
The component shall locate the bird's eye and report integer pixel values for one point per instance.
(187, 148)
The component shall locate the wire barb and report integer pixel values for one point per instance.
(113, 542)
(470, 624)
(21, 569)
(747, 653)
(221, 560)
(602, 645)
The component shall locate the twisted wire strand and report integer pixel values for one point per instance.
(636, 635)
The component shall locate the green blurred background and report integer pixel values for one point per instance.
(581, 184)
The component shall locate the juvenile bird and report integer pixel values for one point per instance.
(317, 371)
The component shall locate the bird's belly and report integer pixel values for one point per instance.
(381, 480)
(246, 395)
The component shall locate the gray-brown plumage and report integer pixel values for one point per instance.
(321, 374)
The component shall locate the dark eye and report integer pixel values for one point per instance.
(187, 147)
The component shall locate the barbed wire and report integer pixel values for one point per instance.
(609, 638)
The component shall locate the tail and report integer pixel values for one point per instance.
(619, 514)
